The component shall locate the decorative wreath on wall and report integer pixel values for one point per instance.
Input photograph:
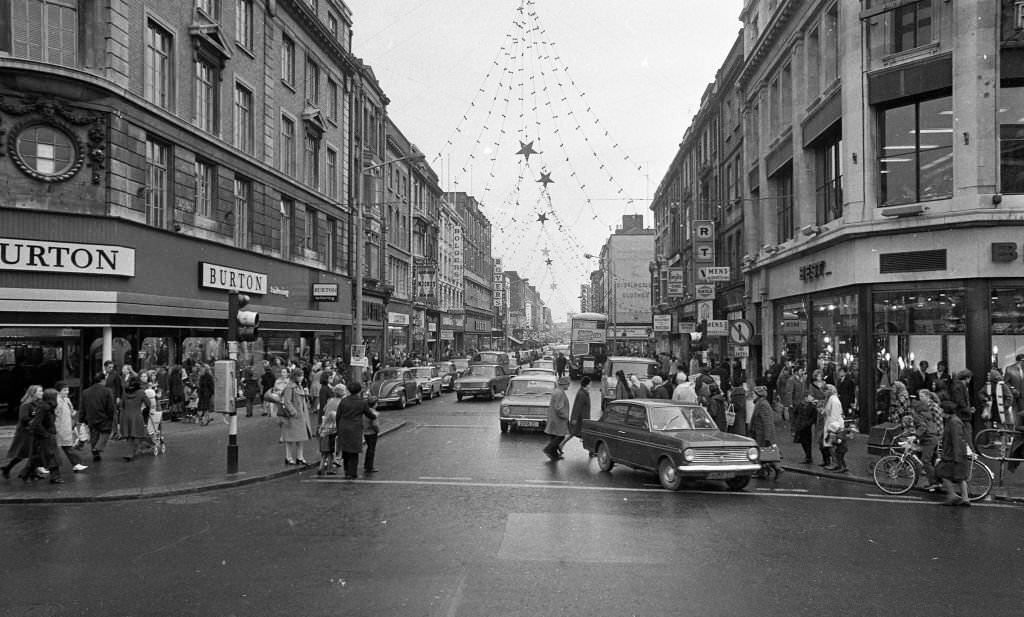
(45, 145)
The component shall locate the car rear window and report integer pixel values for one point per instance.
(531, 386)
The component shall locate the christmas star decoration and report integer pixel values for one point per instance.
(546, 251)
(553, 286)
(545, 179)
(548, 261)
(541, 218)
(526, 149)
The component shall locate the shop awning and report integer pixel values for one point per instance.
(515, 340)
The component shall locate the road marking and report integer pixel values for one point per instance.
(428, 481)
(445, 478)
(894, 496)
(488, 426)
(547, 481)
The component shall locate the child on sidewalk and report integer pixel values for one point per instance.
(836, 439)
(328, 433)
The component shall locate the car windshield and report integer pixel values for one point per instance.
(460, 364)
(445, 367)
(425, 371)
(531, 387)
(385, 374)
(543, 364)
(679, 417)
(640, 369)
(480, 371)
(537, 371)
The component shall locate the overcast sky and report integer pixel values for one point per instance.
(604, 89)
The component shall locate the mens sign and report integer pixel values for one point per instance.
(66, 257)
(213, 276)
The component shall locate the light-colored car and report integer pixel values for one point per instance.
(429, 380)
(448, 372)
(536, 371)
(545, 363)
(501, 358)
(678, 441)
(395, 386)
(526, 401)
(488, 380)
(644, 368)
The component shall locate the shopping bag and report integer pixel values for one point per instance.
(770, 454)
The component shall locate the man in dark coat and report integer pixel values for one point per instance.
(98, 410)
(557, 425)
(560, 363)
(113, 381)
(847, 389)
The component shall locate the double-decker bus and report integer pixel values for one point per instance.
(588, 337)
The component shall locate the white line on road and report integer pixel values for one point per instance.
(547, 481)
(488, 426)
(445, 478)
(427, 481)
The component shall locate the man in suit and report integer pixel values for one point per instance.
(846, 389)
(919, 379)
(1014, 377)
(98, 412)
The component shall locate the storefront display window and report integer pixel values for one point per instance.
(203, 349)
(156, 352)
(911, 326)
(791, 331)
(834, 327)
(1007, 325)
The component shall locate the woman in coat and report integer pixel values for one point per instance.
(738, 396)
(65, 421)
(44, 435)
(716, 407)
(206, 388)
(622, 389)
(176, 391)
(762, 426)
(294, 414)
(131, 423)
(830, 416)
(580, 411)
(351, 412)
(21, 447)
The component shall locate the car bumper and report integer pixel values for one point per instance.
(524, 421)
(704, 470)
(384, 400)
(473, 390)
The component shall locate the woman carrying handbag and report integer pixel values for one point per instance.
(294, 418)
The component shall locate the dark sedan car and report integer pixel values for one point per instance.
(488, 380)
(395, 386)
(678, 441)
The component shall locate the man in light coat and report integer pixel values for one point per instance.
(557, 426)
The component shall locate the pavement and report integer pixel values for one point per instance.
(1009, 487)
(195, 461)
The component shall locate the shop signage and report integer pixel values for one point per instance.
(431, 327)
(813, 271)
(325, 292)
(358, 356)
(676, 282)
(686, 327)
(710, 274)
(213, 276)
(447, 335)
(66, 257)
(704, 292)
(281, 291)
(398, 319)
(705, 310)
(704, 230)
(625, 332)
(662, 323)
(718, 327)
(741, 352)
(704, 252)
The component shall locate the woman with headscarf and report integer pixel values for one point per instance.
(832, 423)
(294, 417)
(762, 429)
(580, 411)
(622, 389)
(131, 423)
(716, 407)
(44, 435)
(638, 387)
(21, 447)
(65, 419)
(816, 390)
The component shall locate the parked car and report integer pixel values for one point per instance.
(525, 404)
(530, 370)
(395, 386)
(488, 380)
(501, 358)
(429, 381)
(644, 368)
(678, 441)
(448, 372)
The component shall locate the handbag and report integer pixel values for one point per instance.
(81, 434)
(730, 415)
(770, 454)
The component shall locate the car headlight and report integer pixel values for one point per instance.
(753, 454)
(689, 455)
(503, 410)
(393, 390)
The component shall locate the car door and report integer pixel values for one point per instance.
(500, 379)
(636, 441)
(613, 431)
(409, 384)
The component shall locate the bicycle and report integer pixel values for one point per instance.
(898, 472)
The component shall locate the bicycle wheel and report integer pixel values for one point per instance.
(894, 475)
(979, 480)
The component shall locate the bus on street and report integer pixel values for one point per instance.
(588, 337)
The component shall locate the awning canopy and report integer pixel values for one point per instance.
(515, 340)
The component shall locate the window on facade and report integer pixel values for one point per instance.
(785, 225)
(288, 146)
(45, 150)
(829, 180)
(206, 100)
(309, 239)
(332, 24)
(287, 60)
(332, 100)
(284, 225)
(332, 173)
(244, 131)
(912, 25)
(916, 159)
(785, 99)
(210, 8)
(312, 82)
(328, 240)
(812, 69)
(42, 30)
(157, 183)
(1011, 139)
(830, 50)
(312, 162)
(205, 185)
(158, 62)
(242, 211)
(244, 12)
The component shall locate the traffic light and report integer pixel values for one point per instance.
(243, 326)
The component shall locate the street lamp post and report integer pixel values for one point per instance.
(357, 373)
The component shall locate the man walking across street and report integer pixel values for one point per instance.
(557, 426)
(98, 411)
(560, 363)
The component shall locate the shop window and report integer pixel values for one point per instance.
(156, 352)
(834, 322)
(791, 331)
(916, 157)
(912, 326)
(1011, 139)
(1007, 325)
(202, 349)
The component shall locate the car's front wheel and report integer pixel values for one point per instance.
(668, 475)
(604, 458)
(402, 402)
(738, 484)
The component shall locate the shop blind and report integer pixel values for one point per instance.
(912, 261)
